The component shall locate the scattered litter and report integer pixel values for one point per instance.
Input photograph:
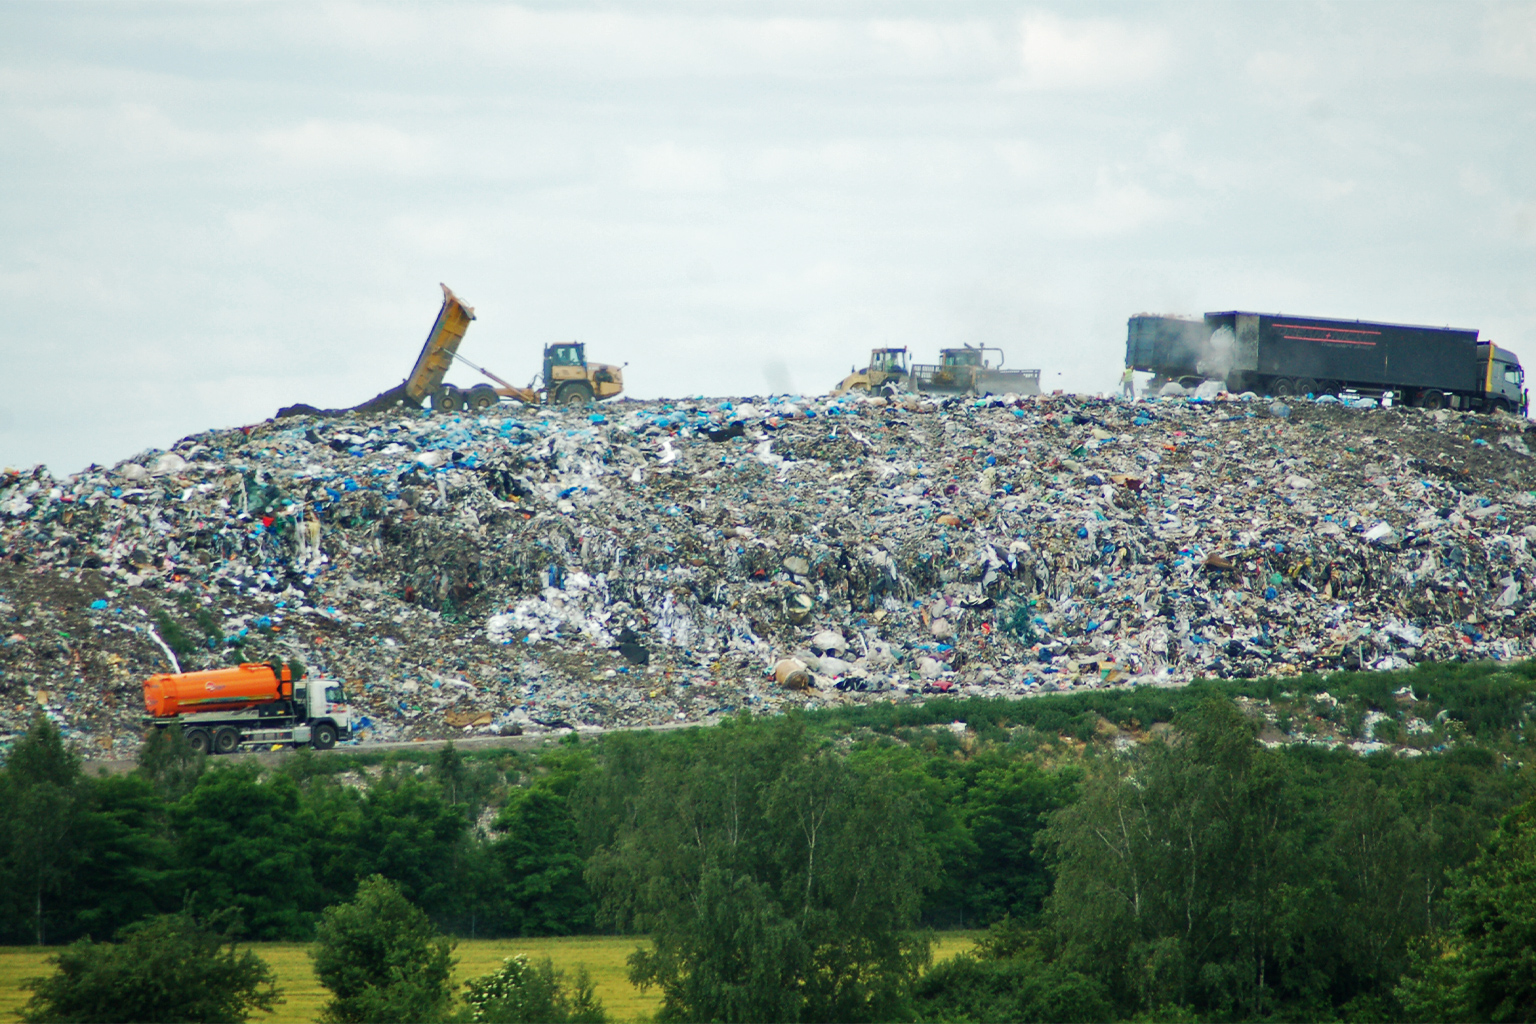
(679, 561)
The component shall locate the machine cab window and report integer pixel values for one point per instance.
(891, 362)
(962, 357)
(566, 355)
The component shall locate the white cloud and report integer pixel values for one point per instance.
(1113, 208)
(1509, 40)
(328, 146)
(1090, 54)
(668, 167)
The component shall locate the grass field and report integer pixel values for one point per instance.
(603, 956)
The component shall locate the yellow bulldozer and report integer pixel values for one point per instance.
(567, 377)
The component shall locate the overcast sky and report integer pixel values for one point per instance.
(211, 210)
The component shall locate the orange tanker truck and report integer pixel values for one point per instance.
(251, 703)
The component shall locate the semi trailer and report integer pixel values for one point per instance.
(255, 702)
(1282, 355)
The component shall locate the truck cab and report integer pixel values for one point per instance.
(1504, 378)
(570, 381)
(325, 703)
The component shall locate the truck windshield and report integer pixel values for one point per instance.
(335, 694)
(1513, 374)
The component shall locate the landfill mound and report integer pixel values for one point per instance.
(639, 563)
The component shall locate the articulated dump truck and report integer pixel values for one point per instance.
(256, 703)
(567, 377)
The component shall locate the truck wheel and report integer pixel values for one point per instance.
(1284, 387)
(226, 740)
(447, 399)
(323, 736)
(483, 396)
(1433, 400)
(577, 393)
(198, 741)
(1502, 405)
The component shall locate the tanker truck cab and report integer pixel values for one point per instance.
(324, 715)
(1504, 378)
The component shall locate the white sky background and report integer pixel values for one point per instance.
(212, 210)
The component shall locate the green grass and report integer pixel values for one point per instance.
(603, 956)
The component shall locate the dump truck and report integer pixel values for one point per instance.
(255, 702)
(567, 378)
(967, 370)
(1284, 355)
(887, 372)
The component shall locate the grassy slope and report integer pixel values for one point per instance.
(604, 957)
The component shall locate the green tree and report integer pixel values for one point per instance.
(127, 868)
(244, 842)
(1484, 969)
(39, 820)
(1023, 989)
(408, 834)
(382, 959)
(168, 968)
(778, 881)
(522, 993)
(1006, 807)
(539, 865)
(168, 761)
(1184, 876)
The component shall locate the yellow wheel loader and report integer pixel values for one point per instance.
(886, 373)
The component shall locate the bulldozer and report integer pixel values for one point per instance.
(887, 372)
(567, 378)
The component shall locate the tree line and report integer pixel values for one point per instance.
(793, 868)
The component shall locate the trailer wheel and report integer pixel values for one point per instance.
(1329, 387)
(323, 736)
(226, 740)
(198, 741)
(447, 399)
(483, 396)
(1306, 386)
(1283, 387)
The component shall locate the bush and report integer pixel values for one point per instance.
(168, 968)
(520, 993)
(382, 959)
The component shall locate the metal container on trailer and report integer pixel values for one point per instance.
(1270, 347)
(1170, 347)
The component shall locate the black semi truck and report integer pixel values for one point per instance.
(1283, 355)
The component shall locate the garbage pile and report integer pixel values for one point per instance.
(637, 563)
